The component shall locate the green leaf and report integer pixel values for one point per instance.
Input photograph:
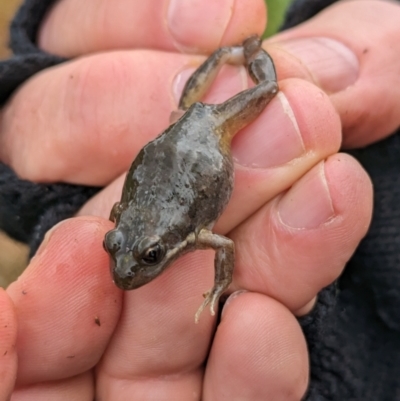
(276, 14)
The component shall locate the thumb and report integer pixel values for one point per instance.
(350, 50)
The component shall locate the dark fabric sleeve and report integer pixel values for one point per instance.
(27, 59)
(353, 334)
(302, 10)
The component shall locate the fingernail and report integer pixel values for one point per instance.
(306, 309)
(308, 204)
(231, 298)
(333, 65)
(179, 83)
(185, 16)
(272, 139)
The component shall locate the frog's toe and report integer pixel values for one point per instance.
(200, 310)
(211, 297)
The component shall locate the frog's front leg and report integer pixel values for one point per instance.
(224, 264)
(116, 211)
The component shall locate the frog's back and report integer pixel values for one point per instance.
(185, 176)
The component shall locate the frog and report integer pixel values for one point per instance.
(180, 183)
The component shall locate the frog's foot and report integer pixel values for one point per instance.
(211, 298)
(224, 264)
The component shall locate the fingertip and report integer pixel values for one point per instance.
(312, 230)
(268, 361)
(307, 205)
(284, 142)
(248, 18)
(287, 130)
(67, 304)
(343, 55)
(351, 189)
(182, 19)
(84, 231)
(321, 128)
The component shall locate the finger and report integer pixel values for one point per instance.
(353, 61)
(300, 242)
(157, 336)
(103, 105)
(269, 361)
(8, 355)
(77, 388)
(271, 154)
(67, 306)
(153, 24)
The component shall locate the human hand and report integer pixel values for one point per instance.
(289, 244)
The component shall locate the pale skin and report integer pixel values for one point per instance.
(98, 340)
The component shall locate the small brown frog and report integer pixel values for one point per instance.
(179, 184)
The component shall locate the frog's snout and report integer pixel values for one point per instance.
(123, 272)
(121, 263)
(132, 266)
(126, 272)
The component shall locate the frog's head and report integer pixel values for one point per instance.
(135, 265)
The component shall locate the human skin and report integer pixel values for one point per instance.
(298, 211)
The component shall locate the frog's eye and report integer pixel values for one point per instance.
(152, 255)
(149, 251)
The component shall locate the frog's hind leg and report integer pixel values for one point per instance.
(224, 264)
(242, 109)
(198, 84)
(258, 62)
(246, 106)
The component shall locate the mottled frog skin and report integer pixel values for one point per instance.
(180, 183)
